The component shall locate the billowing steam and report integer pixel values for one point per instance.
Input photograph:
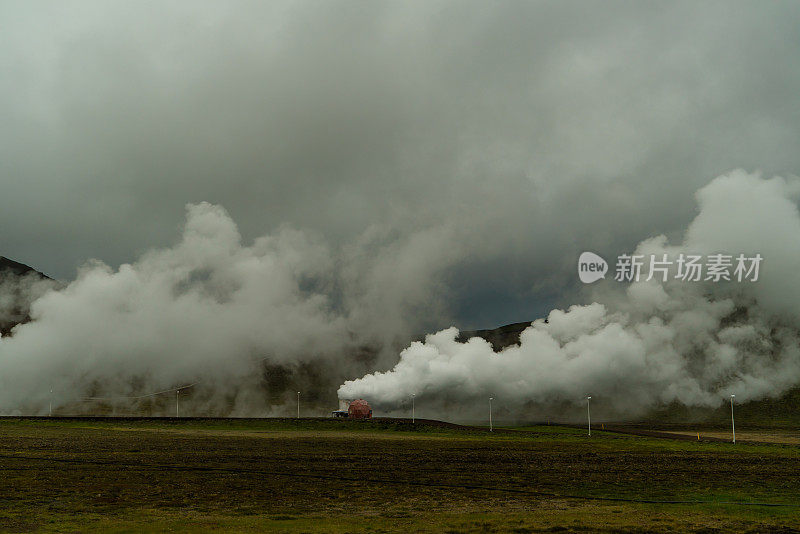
(208, 309)
(237, 320)
(247, 323)
(644, 344)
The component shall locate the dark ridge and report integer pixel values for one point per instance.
(17, 312)
(17, 268)
(500, 338)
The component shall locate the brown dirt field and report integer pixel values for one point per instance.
(91, 469)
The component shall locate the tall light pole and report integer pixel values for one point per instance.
(589, 413)
(490, 414)
(733, 425)
(298, 405)
(413, 413)
(177, 403)
(51, 403)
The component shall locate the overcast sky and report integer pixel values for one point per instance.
(491, 141)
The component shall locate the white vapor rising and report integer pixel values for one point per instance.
(208, 310)
(645, 344)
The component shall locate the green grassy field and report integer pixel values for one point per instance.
(104, 475)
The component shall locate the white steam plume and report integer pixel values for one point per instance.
(645, 344)
(209, 310)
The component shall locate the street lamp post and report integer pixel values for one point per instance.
(733, 424)
(413, 413)
(177, 403)
(490, 414)
(298, 405)
(589, 413)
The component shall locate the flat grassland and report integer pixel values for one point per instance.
(134, 475)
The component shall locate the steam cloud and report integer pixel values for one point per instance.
(228, 316)
(210, 311)
(645, 344)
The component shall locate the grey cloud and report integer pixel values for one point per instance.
(453, 157)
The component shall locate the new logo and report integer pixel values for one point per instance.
(591, 267)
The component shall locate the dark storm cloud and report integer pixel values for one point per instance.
(483, 145)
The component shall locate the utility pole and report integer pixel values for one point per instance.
(413, 413)
(733, 425)
(51, 403)
(490, 414)
(589, 414)
(298, 405)
(177, 403)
